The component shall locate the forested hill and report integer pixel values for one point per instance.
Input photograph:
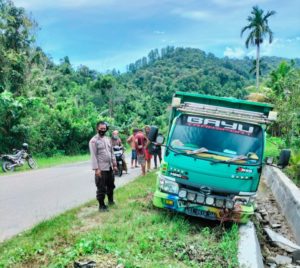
(54, 107)
(188, 69)
(191, 69)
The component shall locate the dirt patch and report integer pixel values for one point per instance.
(28, 265)
(145, 202)
(89, 218)
(268, 214)
(194, 250)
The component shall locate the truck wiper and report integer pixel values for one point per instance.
(231, 160)
(197, 151)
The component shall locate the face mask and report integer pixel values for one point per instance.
(115, 137)
(101, 132)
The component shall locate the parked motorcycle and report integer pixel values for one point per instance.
(118, 152)
(18, 159)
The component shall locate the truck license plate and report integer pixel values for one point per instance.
(200, 213)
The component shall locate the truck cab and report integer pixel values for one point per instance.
(214, 157)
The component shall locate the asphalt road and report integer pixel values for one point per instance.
(30, 197)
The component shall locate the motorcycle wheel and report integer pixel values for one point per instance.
(32, 163)
(120, 170)
(7, 166)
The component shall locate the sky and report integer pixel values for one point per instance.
(107, 34)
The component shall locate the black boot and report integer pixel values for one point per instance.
(102, 206)
(111, 201)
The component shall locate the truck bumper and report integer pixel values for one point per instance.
(240, 213)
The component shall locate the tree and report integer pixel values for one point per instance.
(285, 95)
(258, 29)
(278, 78)
(15, 41)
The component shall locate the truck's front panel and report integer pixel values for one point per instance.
(211, 168)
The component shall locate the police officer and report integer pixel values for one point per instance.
(104, 164)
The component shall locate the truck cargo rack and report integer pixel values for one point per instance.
(225, 113)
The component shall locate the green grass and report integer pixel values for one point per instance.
(44, 162)
(293, 169)
(61, 159)
(273, 146)
(133, 233)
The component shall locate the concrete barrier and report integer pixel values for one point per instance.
(287, 195)
(249, 254)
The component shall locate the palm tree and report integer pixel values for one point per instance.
(258, 29)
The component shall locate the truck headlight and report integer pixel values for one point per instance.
(209, 200)
(191, 196)
(168, 185)
(219, 203)
(200, 198)
(182, 193)
(229, 204)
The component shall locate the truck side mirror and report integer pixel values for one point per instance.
(153, 133)
(284, 158)
(160, 139)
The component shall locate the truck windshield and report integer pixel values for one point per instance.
(225, 138)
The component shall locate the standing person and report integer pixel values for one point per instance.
(104, 164)
(148, 156)
(141, 142)
(156, 153)
(131, 142)
(116, 141)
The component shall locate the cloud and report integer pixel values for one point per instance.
(289, 40)
(234, 52)
(192, 14)
(278, 44)
(267, 49)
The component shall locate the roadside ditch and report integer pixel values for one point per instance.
(276, 218)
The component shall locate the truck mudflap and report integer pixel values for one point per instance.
(240, 213)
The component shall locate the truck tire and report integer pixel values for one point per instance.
(284, 158)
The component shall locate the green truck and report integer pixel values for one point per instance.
(213, 157)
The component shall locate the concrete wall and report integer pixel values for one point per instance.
(249, 254)
(287, 195)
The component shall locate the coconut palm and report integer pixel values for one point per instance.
(258, 29)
